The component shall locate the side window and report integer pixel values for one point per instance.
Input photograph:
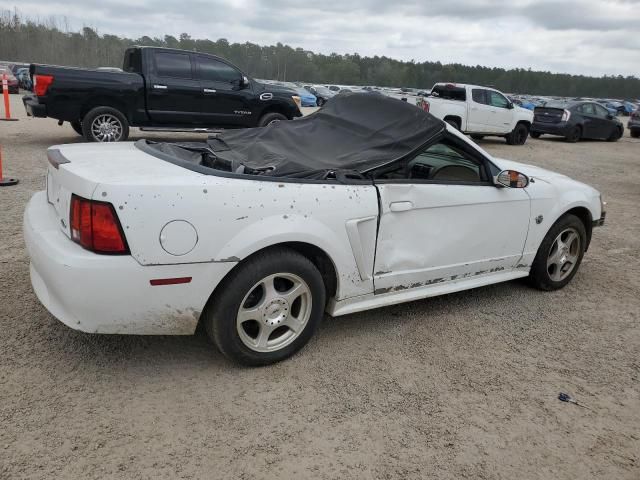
(442, 162)
(479, 96)
(215, 71)
(173, 64)
(497, 99)
(601, 111)
(587, 109)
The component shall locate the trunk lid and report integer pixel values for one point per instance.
(80, 168)
(547, 115)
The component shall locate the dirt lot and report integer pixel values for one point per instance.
(462, 386)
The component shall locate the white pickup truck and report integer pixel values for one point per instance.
(479, 111)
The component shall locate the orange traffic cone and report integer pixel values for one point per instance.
(7, 107)
(5, 182)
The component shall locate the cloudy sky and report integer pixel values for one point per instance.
(592, 37)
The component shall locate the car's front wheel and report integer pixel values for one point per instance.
(267, 309)
(574, 135)
(615, 135)
(518, 135)
(560, 254)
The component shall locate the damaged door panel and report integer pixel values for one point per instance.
(450, 232)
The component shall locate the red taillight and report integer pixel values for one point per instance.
(41, 84)
(95, 226)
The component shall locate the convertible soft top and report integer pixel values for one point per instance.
(353, 132)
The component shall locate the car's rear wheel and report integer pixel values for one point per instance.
(77, 126)
(269, 118)
(518, 135)
(535, 134)
(267, 309)
(560, 254)
(635, 133)
(105, 124)
(574, 135)
(615, 135)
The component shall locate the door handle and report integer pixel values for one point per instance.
(208, 90)
(400, 206)
(159, 87)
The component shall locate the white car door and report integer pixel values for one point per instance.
(444, 220)
(478, 111)
(500, 113)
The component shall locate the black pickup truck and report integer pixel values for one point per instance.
(160, 89)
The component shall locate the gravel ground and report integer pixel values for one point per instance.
(461, 386)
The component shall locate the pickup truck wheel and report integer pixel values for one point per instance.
(635, 133)
(77, 126)
(105, 124)
(454, 123)
(560, 254)
(267, 309)
(518, 135)
(269, 118)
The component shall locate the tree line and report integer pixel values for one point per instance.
(51, 41)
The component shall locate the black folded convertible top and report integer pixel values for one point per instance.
(353, 131)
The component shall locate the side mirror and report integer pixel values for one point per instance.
(510, 106)
(610, 116)
(511, 179)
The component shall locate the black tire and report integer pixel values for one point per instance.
(635, 133)
(320, 101)
(114, 117)
(477, 137)
(540, 276)
(453, 122)
(518, 135)
(77, 127)
(219, 316)
(535, 134)
(575, 135)
(615, 135)
(269, 118)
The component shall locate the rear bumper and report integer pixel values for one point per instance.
(33, 108)
(111, 294)
(561, 128)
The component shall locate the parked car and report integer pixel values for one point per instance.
(478, 111)
(12, 82)
(576, 121)
(160, 88)
(24, 79)
(523, 103)
(255, 233)
(307, 99)
(321, 93)
(634, 124)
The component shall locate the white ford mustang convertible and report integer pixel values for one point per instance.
(256, 233)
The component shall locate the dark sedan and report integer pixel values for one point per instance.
(576, 121)
(634, 123)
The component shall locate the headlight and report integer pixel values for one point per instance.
(296, 99)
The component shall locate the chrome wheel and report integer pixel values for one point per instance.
(106, 128)
(563, 255)
(274, 312)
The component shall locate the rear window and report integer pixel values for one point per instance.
(172, 64)
(449, 92)
(132, 61)
(555, 104)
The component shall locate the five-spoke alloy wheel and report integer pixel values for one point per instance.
(559, 254)
(267, 308)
